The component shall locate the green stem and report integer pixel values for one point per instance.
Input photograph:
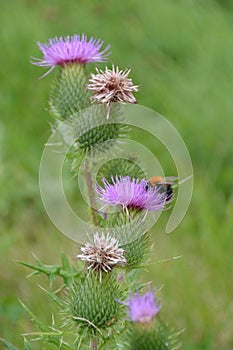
(91, 194)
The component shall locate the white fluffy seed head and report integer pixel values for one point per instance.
(103, 255)
(112, 85)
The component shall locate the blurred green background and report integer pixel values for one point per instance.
(181, 54)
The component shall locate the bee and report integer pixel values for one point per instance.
(164, 185)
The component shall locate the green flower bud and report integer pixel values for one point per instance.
(92, 303)
(127, 166)
(68, 94)
(153, 336)
(93, 133)
(138, 251)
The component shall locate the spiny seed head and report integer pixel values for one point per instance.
(112, 85)
(103, 255)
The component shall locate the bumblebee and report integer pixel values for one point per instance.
(164, 185)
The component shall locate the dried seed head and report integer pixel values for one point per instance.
(103, 255)
(112, 85)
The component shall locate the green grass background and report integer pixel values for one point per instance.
(181, 54)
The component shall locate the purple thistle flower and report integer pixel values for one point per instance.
(142, 308)
(71, 49)
(130, 193)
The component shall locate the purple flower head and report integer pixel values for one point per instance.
(128, 192)
(142, 308)
(71, 49)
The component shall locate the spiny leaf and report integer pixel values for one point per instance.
(47, 269)
(53, 296)
(40, 325)
(54, 338)
(65, 262)
(65, 271)
(45, 333)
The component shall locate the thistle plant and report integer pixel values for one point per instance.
(103, 303)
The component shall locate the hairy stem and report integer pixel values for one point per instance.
(91, 193)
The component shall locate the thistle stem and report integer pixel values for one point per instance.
(91, 194)
(94, 344)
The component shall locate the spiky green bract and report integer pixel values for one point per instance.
(123, 228)
(68, 93)
(92, 303)
(127, 166)
(93, 133)
(137, 252)
(155, 336)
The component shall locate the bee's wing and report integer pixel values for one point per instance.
(173, 180)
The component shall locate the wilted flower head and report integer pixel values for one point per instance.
(142, 308)
(112, 85)
(130, 193)
(104, 254)
(71, 49)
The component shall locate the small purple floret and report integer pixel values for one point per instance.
(131, 193)
(71, 49)
(142, 308)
